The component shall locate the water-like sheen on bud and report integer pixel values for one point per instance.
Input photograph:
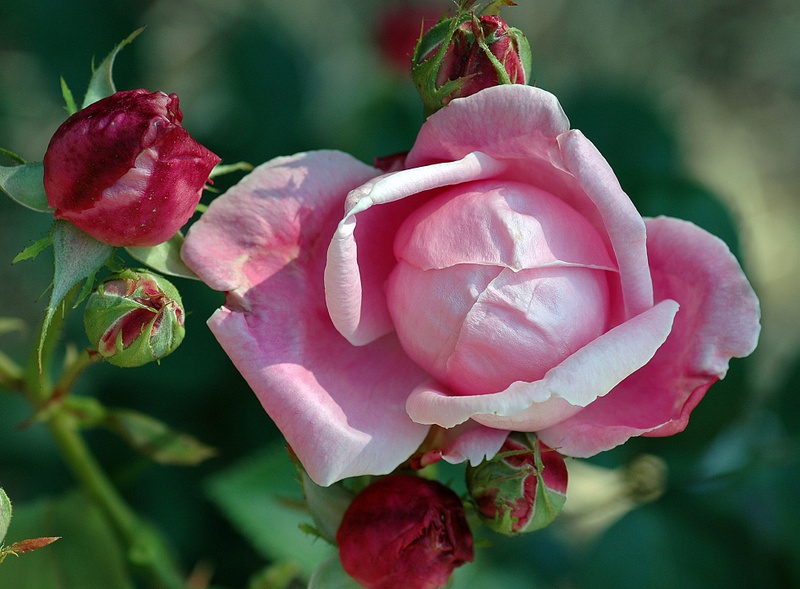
(125, 171)
(133, 318)
(522, 488)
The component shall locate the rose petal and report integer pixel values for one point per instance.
(341, 408)
(353, 280)
(718, 320)
(502, 223)
(623, 223)
(514, 122)
(591, 372)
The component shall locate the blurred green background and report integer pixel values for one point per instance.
(696, 106)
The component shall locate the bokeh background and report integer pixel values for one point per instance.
(696, 106)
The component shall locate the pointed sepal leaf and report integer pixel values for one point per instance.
(77, 257)
(25, 185)
(326, 504)
(33, 250)
(102, 83)
(164, 257)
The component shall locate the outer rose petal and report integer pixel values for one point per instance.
(718, 320)
(341, 408)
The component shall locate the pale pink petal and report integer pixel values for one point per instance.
(513, 122)
(718, 320)
(591, 372)
(472, 442)
(623, 223)
(499, 222)
(354, 274)
(341, 408)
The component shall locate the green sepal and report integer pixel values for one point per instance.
(12, 156)
(155, 439)
(424, 72)
(164, 257)
(69, 99)
(25, 185)
(222, 169)
(33, 249)
(77, 256)
(326, 504)
(5, 514)
(102, 84)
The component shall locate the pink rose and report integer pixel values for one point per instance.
(502, 282)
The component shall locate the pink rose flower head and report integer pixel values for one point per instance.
(404, 532)
(502, 281)
(125, 171)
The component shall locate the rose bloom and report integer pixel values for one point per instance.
(502, 282)
(404, 532)
(125, 171)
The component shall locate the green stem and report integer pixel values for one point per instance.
(144, 547)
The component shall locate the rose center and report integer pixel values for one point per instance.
(497, 283)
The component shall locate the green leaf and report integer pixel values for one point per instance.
(5, 514)
(331, 575)
(155, 439)
(102, 83)
(33, 250)
(263, 499)
(25, 185)
(88, 556)
(77, 257)
(69, 100)
(164, 257)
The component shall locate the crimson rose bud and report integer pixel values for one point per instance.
(134, 318)
(125, 171)
(404, 532)
(479, 52)
(522, 488)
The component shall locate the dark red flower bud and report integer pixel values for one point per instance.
(125, 171)
(522, 488)
(404, 532)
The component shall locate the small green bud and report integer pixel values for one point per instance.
(522, 488)
(134, 318)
